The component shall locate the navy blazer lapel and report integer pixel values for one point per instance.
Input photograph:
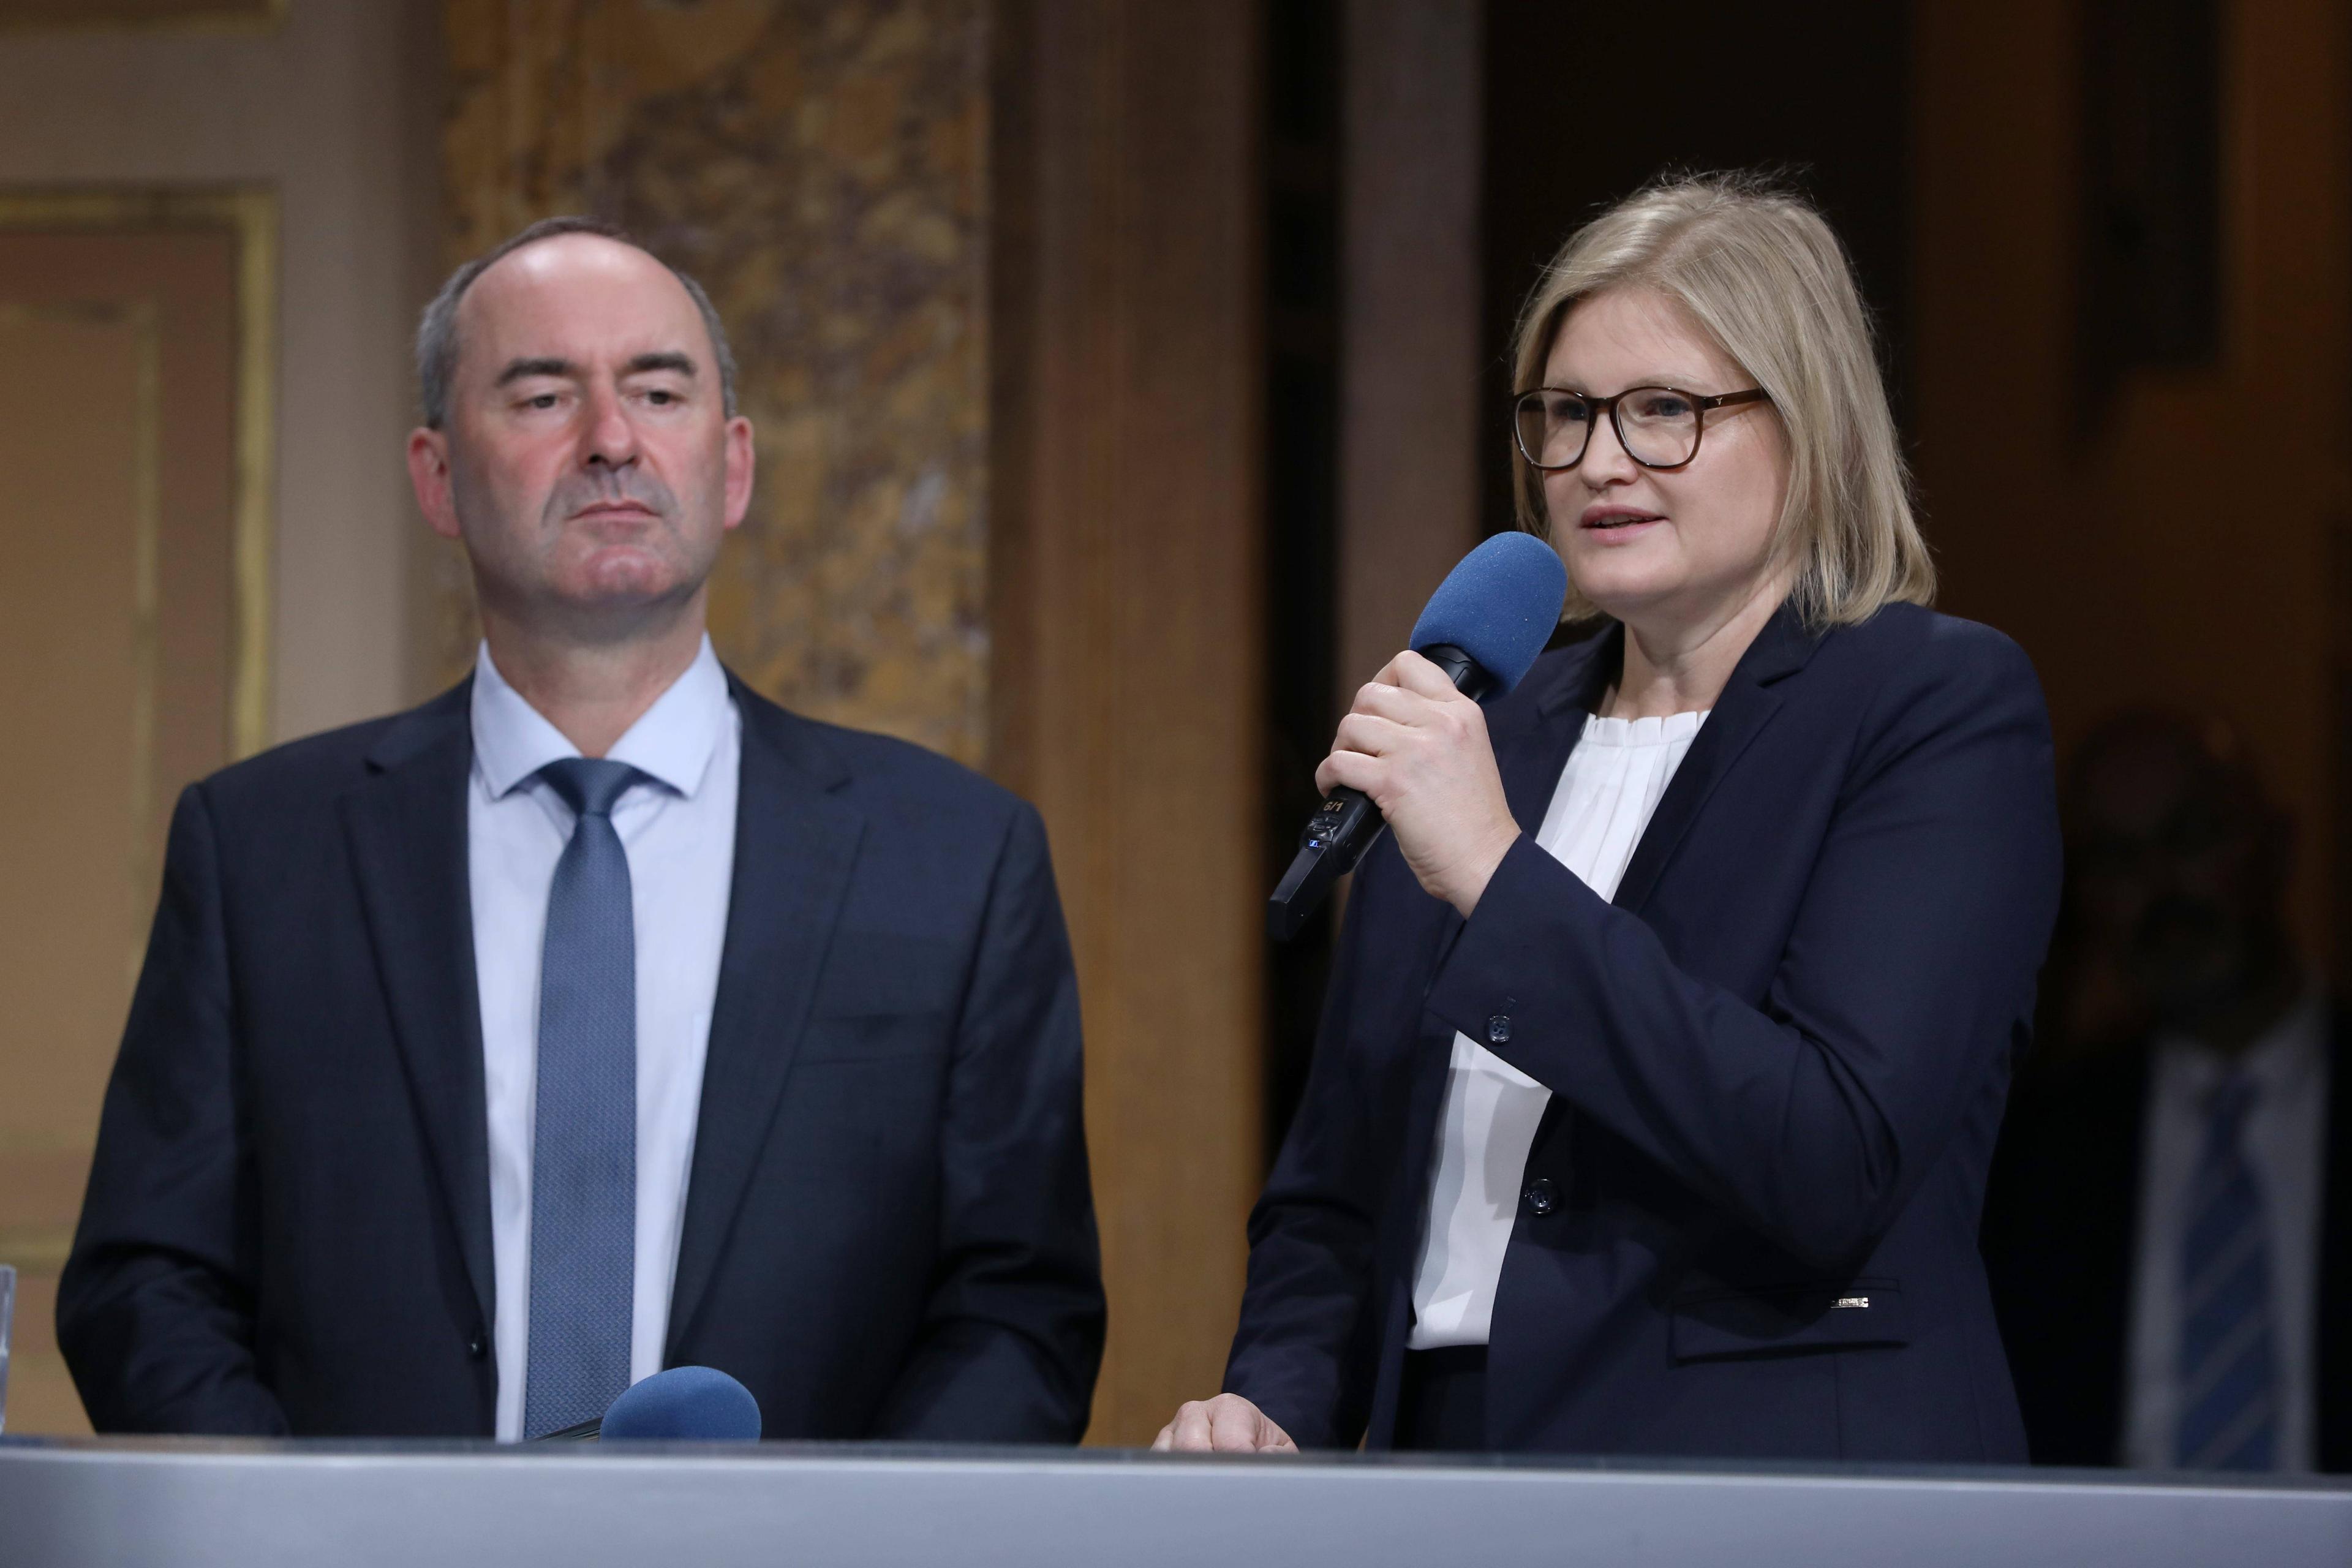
(406, 827)
(1531, 760)
(796, 844)
(1531, 748)
(1748, 704)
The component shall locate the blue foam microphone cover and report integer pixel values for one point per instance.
(1499, 605)
(689, 1403)
(1483, 627)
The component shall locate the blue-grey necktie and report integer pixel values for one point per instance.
(583, 1163)
(2229, 1369)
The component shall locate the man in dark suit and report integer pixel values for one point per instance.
(2169, 1226)
(598, 1015)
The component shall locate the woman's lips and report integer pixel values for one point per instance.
(1616, 524)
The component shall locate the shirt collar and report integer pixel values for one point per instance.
(2281, 1061)
(672, 742)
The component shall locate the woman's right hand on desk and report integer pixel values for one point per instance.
(1225, 1424)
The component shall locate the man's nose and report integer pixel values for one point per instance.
(611, 438)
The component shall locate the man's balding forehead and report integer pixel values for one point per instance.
(437, 335)
(538, 254)
(543, 264)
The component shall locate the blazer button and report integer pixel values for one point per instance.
(478, 1347)
(1538, 1196)
(1498, 1030)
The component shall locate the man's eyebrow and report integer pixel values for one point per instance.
(518, 369)
(668, 360)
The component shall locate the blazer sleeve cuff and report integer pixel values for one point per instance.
(1507, 974)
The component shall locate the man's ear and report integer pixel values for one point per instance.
(740, 464)
(428, 474)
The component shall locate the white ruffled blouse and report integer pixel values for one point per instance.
(1613, 781)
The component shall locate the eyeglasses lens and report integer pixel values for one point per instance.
(1552, 426)
(1658, 425)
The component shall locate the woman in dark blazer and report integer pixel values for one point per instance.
(1672, 1021)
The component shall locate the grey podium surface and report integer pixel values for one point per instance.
(67, 1503)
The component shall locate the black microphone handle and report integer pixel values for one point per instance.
(1346, 822)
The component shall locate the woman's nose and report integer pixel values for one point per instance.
(1605, 460)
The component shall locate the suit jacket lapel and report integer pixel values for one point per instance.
(2089, 1292)
(407, 827)
(796, 844)
(1529, 755)
(1748, 703)
(1531, 750)
(1530, 758)
(2332, 1420)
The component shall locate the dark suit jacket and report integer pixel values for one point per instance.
(1778, 1062)
(2061, 1229)
(888, 1230)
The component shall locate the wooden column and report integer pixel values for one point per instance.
(1125, 569)
(1408, 433)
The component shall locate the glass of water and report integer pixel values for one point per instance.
(7, 1308)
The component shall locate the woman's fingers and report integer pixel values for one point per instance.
(1406, 691)
(1372, 735)
(1187, 1433)
(1234, 1425)
(1419, 676)
(1419, 749)
(1351, 770)
(1225, 1424)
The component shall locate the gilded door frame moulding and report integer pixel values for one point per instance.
(37, 1248)
(264, 17)
(37, 1251)
(251, 212)
(140, 316)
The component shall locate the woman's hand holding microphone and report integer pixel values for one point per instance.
(1419, 749)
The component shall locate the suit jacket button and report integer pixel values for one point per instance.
(1498, 1030)
(478, 1347)
(1538, 1196)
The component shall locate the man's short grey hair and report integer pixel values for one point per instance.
(436, 333)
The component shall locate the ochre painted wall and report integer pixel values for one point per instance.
(2187, 553)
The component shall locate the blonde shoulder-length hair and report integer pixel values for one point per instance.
(1760, 271)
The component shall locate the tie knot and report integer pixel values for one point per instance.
(2232, 1099)
(589, 785)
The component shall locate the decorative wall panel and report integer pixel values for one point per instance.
(135, 375)
(820, 168)
(72, 16)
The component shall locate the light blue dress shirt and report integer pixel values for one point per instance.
(678, 830)
(2286, 1138)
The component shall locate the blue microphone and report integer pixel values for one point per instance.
(689, 1403)
(1483, 627)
